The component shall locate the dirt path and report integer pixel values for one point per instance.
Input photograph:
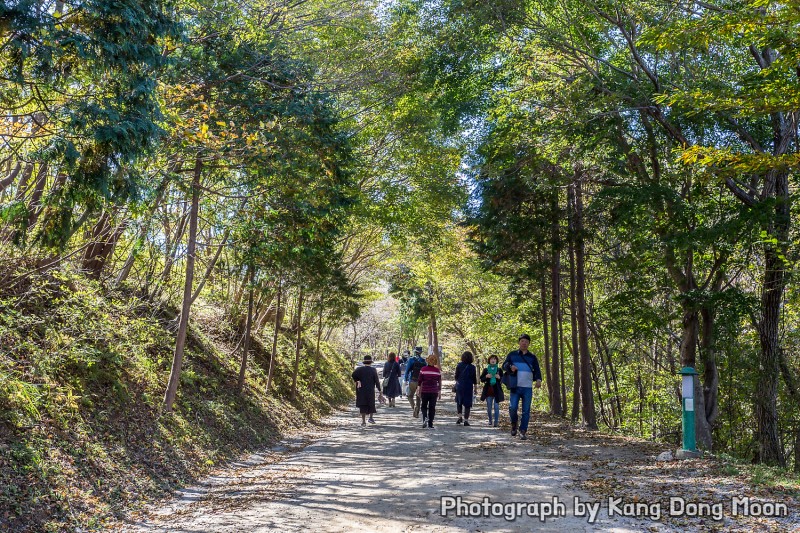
(392, 476)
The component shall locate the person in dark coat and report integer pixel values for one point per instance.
(492, 392)
(466, 386)
(391, 376)
(366, 378)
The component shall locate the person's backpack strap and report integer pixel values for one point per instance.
(527, 363)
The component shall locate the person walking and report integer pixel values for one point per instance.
(413, 368)
(403, 364)
(391, 382)
(366, 378)
(466, 386)
(430, 389)
(492, 392)
(524, 368)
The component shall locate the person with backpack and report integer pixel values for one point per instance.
(413, 368)
(466, 386)
(522, 372)
(492, 392)
(403, 365)
(391, 383)
(430, 389)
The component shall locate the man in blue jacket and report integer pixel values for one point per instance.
(413, 366)
(525, 366)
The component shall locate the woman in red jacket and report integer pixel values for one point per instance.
(429, 389)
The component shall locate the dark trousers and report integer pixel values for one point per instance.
(429, 406)
(460, 405)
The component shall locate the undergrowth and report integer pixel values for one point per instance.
(82, 377)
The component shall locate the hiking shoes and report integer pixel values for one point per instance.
(466, 422)
(523, 436)
(460, 421)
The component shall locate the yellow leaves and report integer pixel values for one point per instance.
(723, 161)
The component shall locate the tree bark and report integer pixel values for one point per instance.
(555, 304)
(587, 401)
(297, 344)
(562, 360)
(34, 204)
(602, 348)
(317, 354)
(8, 180)
(546, 335)
(435, 335)
(708, 351)
(103, 242)
(180, 342)
(274, 355)
(247, 329)
(576, 393)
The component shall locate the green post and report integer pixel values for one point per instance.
(689, 441)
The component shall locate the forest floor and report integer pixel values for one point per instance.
(392, 476)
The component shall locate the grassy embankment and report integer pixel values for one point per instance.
(82, 376)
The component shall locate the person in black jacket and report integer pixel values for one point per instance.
(492, 389)
(366, 378)
(391, 376)
(466, 386)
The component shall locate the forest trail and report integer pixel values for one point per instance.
(391, 476)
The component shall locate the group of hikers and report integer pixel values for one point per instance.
(421, 380)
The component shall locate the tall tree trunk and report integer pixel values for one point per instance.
(555, 304)
(317, 353)
(103, 242)
(8, 180)
(596, 380)
(766, 392)
(562, 360)
(297, 344)
(546, 335)
(247, 329)
(435, 336)
(22, 187)
(587, 401)
(180, 342)
(708, 351)
(34, 204)
(274, 355)
(576, 380)
(100, 230)
(602, 348)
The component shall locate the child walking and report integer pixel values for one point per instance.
(492, 389)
